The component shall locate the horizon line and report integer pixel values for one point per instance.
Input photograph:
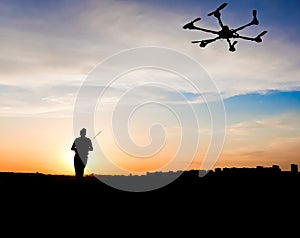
(170, 171)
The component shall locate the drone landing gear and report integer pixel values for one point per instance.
(231, 46)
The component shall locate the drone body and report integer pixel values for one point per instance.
(225, 32)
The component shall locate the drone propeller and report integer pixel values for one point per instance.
(258, 38)
(263, 33)
(190, 25)
(255, 20)
(197, 41)
(202, 44)
(215, 12)
(197, 19)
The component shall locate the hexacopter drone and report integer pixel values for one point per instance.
(225, 32)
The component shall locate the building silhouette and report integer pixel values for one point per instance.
(294, 168)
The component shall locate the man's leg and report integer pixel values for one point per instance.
(80, 173)
(78, 169)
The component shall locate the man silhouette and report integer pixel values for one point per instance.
(81, 145)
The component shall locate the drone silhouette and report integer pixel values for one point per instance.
(225, 32)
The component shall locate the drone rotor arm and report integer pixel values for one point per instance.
(246, 38)
(253, 22)
(204, 43)
(216, 13)
(212, 40)
(191, 26)
(220, 22)
(241, 27)
(205, 30)
(257, 39)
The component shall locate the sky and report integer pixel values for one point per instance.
(129, 69)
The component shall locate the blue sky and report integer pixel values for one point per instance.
(257, 105)
(49, 48)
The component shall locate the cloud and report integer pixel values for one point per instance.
(287, 123)
(62, 47)
(45, 102)
(281, 151)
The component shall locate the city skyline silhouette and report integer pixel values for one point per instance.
(191, 180)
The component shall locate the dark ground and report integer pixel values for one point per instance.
(242, 198)
(230, 183)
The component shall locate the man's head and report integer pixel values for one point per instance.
(83, 132)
